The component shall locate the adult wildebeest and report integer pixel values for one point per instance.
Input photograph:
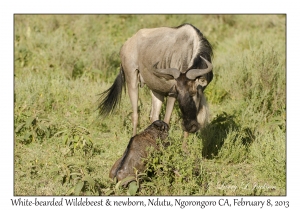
(173, 62)
(136, 150)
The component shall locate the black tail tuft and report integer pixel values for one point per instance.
(112, 96)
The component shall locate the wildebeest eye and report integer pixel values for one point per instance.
(202, 81)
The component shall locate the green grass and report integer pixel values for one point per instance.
(62, 147)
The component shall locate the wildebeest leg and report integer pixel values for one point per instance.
(169, 109)
(185, 134)
(133, 91)
(157, 101)
(184, 142)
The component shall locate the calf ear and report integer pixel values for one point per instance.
(160, 125)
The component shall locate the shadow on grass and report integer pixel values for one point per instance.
(216, 132)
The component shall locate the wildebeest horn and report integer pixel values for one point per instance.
(194, 73)
(175, 73)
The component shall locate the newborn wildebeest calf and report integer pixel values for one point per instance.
(137, 150)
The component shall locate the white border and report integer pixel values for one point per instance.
(8, 8)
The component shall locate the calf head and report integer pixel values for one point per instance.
(158, 129)
(136, 150)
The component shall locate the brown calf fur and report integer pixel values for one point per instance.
(137, 150)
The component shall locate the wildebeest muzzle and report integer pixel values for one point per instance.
(190, 126)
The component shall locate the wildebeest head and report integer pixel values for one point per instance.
(188, 90)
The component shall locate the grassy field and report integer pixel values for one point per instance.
(62, 147)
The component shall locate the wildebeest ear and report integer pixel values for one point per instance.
(209, 78)
(173, 92)
(166, 76)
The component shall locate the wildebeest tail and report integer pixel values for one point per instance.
(112, 96)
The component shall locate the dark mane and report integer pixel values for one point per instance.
(206, 51)
(206, 48)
